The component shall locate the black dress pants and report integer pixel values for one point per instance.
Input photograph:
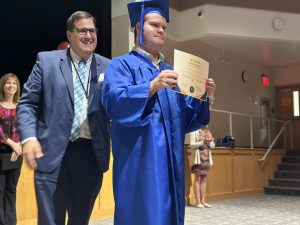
(70, 189)
(8, 183)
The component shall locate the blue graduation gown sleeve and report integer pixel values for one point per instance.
(125, 100)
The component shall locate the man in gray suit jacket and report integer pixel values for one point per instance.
(64, 128)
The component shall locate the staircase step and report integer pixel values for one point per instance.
(282, 191)
(287, 174)
(293, 152)
(291, 159)
(284, 182)
(289, 166)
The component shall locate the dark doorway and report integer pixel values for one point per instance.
(29, 27)
(285, 112)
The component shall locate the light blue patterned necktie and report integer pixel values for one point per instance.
(79, 93)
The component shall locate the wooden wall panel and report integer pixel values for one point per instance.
(260, 172)
(236, 172)
(243, 172)
(26, 201)
(221, 182)
(104, 205)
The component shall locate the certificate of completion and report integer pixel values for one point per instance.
(192, 74)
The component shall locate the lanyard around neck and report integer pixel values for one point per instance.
(86, 90)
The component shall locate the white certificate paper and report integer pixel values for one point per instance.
(192, 74)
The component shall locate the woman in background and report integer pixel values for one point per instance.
(201, 142)
(9, 143)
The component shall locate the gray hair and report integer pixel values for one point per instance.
(78, 16)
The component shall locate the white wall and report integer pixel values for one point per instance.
(286, 76)
(120, 35)
(119, 7)
(232, 93)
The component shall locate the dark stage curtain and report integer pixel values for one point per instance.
(29, 27)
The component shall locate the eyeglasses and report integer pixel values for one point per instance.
(83, 31)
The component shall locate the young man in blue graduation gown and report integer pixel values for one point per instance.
(149, 122)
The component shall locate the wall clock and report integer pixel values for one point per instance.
(277, 23)
(245, 76)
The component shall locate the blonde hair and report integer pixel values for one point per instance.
(3, 79)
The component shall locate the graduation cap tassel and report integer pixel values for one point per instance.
(142, 24)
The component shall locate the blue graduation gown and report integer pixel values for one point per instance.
(148, 142)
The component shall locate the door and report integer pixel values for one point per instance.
(285, 112)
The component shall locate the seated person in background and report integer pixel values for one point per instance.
(201, 142)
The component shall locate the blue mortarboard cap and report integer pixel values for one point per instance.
(138, 10)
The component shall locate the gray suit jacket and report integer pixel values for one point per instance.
(46, 108)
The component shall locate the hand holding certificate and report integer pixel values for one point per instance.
(192, 74)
